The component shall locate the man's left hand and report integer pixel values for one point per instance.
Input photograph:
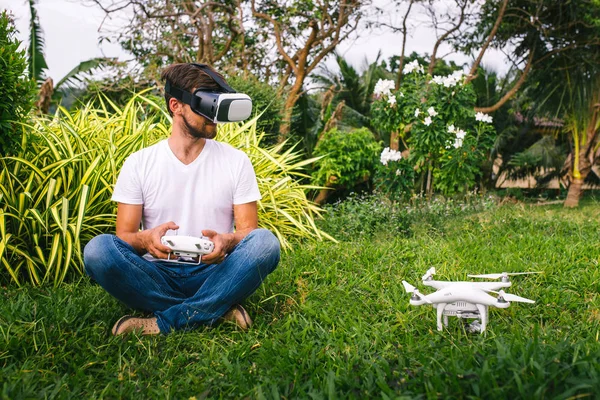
(223, 243)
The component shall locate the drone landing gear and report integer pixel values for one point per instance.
(480, 316)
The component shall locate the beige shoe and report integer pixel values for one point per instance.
(128, 324)
(239, 316)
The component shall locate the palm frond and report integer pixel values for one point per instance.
(75, 75)
(37, 61)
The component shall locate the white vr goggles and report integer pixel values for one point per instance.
(224, 106)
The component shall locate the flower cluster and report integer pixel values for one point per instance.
(460, 135)
(384, 87)
(449, 81)
(483, 117)
(388, 155)
(413, 66)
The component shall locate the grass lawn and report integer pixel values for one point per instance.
(334, 321)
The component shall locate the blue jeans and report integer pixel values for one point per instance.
(181, 296)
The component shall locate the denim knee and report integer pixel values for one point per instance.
(266, 247)
(95, 252)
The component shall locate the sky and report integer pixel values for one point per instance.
(71, 32)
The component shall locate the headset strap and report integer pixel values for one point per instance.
(179, 94)
(215, 77)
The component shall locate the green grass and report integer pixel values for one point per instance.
(334, 322)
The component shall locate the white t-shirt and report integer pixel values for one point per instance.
(196, 196)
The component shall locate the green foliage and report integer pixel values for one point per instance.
(265, 102)
(364, 216)
(349, 158)
(334, 321)
(56, 195)
(395, 179)
(16, 90)
(434, 118)
(37, 60)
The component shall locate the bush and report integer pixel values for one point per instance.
(365, 215)
(56, 196)
(16, 90)
(435, 118)
(349, 158)
(265, 101)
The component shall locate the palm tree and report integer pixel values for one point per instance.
(582, 125)
(352, 88)
(38, 66)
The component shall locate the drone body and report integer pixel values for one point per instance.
(465, 300)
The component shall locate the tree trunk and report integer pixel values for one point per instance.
(290, 102)
(394, 140)
(574, 194)
(583, 159)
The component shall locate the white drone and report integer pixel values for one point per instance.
(465, 299)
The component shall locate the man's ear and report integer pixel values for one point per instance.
(175, 105)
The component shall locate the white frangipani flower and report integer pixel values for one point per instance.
(384, 87)
(483, 117)
(388, 155)
(392, 100)
(401, 94)
(451, 128)
(427, 121)
(413, 66)
(438, 80)
(417, 112)
(431, 111)
(460, 135)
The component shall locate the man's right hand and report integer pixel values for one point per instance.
(151, 239)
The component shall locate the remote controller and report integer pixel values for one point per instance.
(188, 246)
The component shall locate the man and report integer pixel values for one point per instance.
(192, 185)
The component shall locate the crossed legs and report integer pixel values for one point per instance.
(181, 296)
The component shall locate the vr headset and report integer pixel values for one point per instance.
(218, 106)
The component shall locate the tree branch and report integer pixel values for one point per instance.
(513, 90)
(489, 39)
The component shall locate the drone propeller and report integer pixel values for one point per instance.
(512, 297)
(411, 289)
(430, 272)
(503, 274)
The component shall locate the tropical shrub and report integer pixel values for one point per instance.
(55, 196)
(265, 101)
(365, 215)
(434, 118)
(16, 90)
(395, 175)
(348, 158)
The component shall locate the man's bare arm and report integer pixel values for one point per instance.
(246, 220)
(129, 218)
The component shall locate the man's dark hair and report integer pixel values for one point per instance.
(188, 77)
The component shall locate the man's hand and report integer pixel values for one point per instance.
(223, 244)
(151, 239)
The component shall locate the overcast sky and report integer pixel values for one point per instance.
(71, 36)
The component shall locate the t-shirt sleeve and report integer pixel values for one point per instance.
(246, 189)
(128, 189)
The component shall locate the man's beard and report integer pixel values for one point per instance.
(198, 133)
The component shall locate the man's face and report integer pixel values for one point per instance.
(197, 126)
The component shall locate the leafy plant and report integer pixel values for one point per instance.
(395, 178)
(56, 195)
(264, 101)
(16, 90)
(349, 158)
(434, 118)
